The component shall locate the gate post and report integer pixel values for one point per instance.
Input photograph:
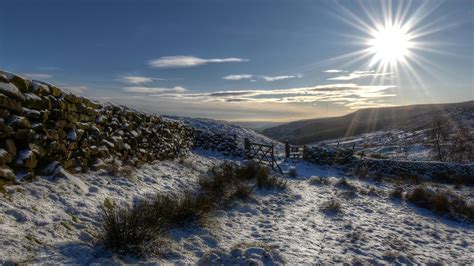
(287, 149)
(247, 148)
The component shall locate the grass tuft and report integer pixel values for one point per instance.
(442, 202)
(141, 229)
(331, 206)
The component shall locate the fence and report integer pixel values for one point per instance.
(295, 152)
(261, 153)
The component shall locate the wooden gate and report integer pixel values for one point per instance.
(261, 153)
(295, 152)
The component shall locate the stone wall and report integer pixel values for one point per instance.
(345, 157)
(321, 155)
(224, 143)
(420, 168)
(42, 127)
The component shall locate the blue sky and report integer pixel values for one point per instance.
(270, 57)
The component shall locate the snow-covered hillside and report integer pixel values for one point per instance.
(57, 220)
(223, 127)
(390, 144)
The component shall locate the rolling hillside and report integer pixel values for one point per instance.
(412, 117)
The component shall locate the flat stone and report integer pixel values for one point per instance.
(11, 147)
(26, 158)
(31, 113)
(16, 121)
(40, 89)
(5, 157)
(21, 83)
(11, 90)
(6, 173)
(9, 102)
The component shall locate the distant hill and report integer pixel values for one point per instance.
(410, 117)
(257, 126)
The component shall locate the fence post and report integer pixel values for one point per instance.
(305, 153)
(247, 147)
(273, 158)
(287, 149)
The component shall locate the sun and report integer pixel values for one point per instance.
(390, 44)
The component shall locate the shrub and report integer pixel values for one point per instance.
(397, 193)
(292, 172)
(321, 180)
(443, 202)
(345, 184)
(270, 182)
(242, 192)
(125, 231)
(419, 196)
(331, 206)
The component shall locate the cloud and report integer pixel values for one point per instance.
(148, 90)
(253, 78)
(37, 75)
(228, 93)
(334, 71)
(181, 61)
(349, 94)
(135, 79)
(238, 77)
(268, 78)
(75, 89)
(360, 74)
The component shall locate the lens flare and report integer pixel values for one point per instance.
(390, 44)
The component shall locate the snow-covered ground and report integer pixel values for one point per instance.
(56, 221)
(391, 144)
(223, 127)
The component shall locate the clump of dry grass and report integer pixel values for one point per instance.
(321, 180)
(397, 193)
(332, 206)
(292, 172)
(345, 184)
(142, 228)
(442, 202)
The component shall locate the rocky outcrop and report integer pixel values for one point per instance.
(43, 128)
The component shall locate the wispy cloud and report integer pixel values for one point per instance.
(238, 77)
(181, 61)
(351, 95)
(253, 78)
(154, 90)
(135, 79)
(334, 71)
(269, 78)
(37, 75)
(361, 74)
(75, 89)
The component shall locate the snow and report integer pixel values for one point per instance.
(392, 144)
(56, 220)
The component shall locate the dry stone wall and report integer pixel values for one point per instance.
(345, 157)
(223, 143)
(43, 128)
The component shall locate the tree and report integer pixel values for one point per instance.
(462, 149)
(438, 135)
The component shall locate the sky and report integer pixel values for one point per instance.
(245, 60)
